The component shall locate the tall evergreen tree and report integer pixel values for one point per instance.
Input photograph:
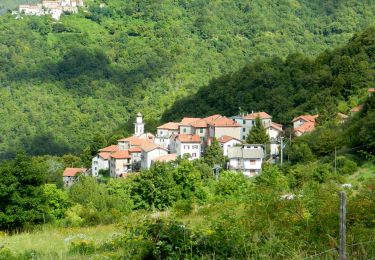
(214, 154)
(257, 134)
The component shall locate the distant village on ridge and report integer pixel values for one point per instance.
(55, 8)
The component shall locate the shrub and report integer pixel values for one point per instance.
(82, 247)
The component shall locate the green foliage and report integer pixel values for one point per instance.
(299, 152)
(290, 87)
(257, 134)
(21, 193)
(57, 201)
(91, 71)
(214, 154)
(232, 183)
(272, 177)
(155, 188)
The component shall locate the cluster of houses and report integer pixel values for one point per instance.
(55, 8)
(189, 138)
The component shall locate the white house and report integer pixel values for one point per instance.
(149, 153)
(187, 144)
(274, 131)
(100, 162)
(70, 175)
(227, 141)
(247, 159)
(164, 133)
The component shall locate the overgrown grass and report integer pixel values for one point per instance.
(54, 243)
(365, 172)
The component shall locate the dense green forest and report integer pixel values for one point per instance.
(64, 83)
(335, 81)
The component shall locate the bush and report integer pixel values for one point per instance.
(345, 166)
(82, 247)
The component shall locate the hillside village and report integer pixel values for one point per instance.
(55, 8)
(189, 138)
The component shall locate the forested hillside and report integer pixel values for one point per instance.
(335, 81)
(64, 83)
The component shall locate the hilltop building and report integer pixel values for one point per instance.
(55, 8)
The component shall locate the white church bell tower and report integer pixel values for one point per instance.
(139, 126)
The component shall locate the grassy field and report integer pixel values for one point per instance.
(365, 172)
(52, 242)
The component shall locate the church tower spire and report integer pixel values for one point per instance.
(139, 126)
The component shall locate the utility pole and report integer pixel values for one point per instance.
(281, 151)
(342, 249)
(335, 160)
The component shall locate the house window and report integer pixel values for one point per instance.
(201, 130)
(244, 122)
(161, 132)
(184, 130)
(252, 122)
(193, 155)
(252, 162)
(243, 137)
(243, 129)
(195, 146)
(186, 146)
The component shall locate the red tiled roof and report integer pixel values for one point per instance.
(136, 149)
(277, 126)
(357, 108)
(124, 154)
(213, 117)
(151, 146)
(166, 158)
(200, 123)
(135, 141)
(71, 172)
(226, 138)
(307, 118)
(189, 120)
(261, 115)
(224, 121)
(371, 90)
(306, 127)
(110, 149)
(188, 138)
(104, 155)
(169, 126)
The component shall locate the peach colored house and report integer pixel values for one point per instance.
(304, 124)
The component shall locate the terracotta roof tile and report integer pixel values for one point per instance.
(224, 121)
(110, 149)
(189, 120)
(124, 154)
(136, 149)
(305, 128)
(166, 158)
(307, 118)
(71, 172)
(188, 138)
(357, 108)
(151, 146)
(104, 155)
(169, 126)
(261, 115)
(135, 141)
(371, 90)
(226, 138)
